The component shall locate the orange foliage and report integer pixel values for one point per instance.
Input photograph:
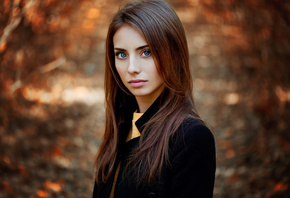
(6, 159)
(5, 7)
(230, 153)
(235, 177)
(56, 151)
(3, 46)
(23, 171)
(210, 15)
(93, 13)
(54, 186)
(41, 193)
(7, 187)
(280, 187)
(227, 15)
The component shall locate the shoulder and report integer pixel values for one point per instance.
(192, 133)
(194, 129)
(193, 124)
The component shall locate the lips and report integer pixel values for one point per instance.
(137, 83)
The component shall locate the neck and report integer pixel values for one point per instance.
(145, 102)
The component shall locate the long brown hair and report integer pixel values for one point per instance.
(165, 35)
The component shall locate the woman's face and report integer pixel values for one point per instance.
(135, 64)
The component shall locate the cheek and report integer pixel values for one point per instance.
(154, 72)
(158, 78)
(120, 70)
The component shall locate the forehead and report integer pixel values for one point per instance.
(126, 35)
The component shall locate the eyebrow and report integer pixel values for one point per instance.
(138, 48)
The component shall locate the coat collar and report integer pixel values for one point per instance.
(151, 111)
(131, 106)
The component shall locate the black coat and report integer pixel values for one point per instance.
(192, 170)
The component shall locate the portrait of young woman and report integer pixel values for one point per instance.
(155, 144)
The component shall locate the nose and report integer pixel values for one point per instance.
(134, 67)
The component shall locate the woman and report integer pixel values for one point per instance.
(155, 144)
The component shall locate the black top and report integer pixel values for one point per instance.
(192, 170)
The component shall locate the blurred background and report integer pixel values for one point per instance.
(52, 99)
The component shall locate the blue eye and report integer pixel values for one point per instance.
(146, 53)
(121, 55)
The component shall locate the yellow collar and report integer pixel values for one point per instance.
(134, 132)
